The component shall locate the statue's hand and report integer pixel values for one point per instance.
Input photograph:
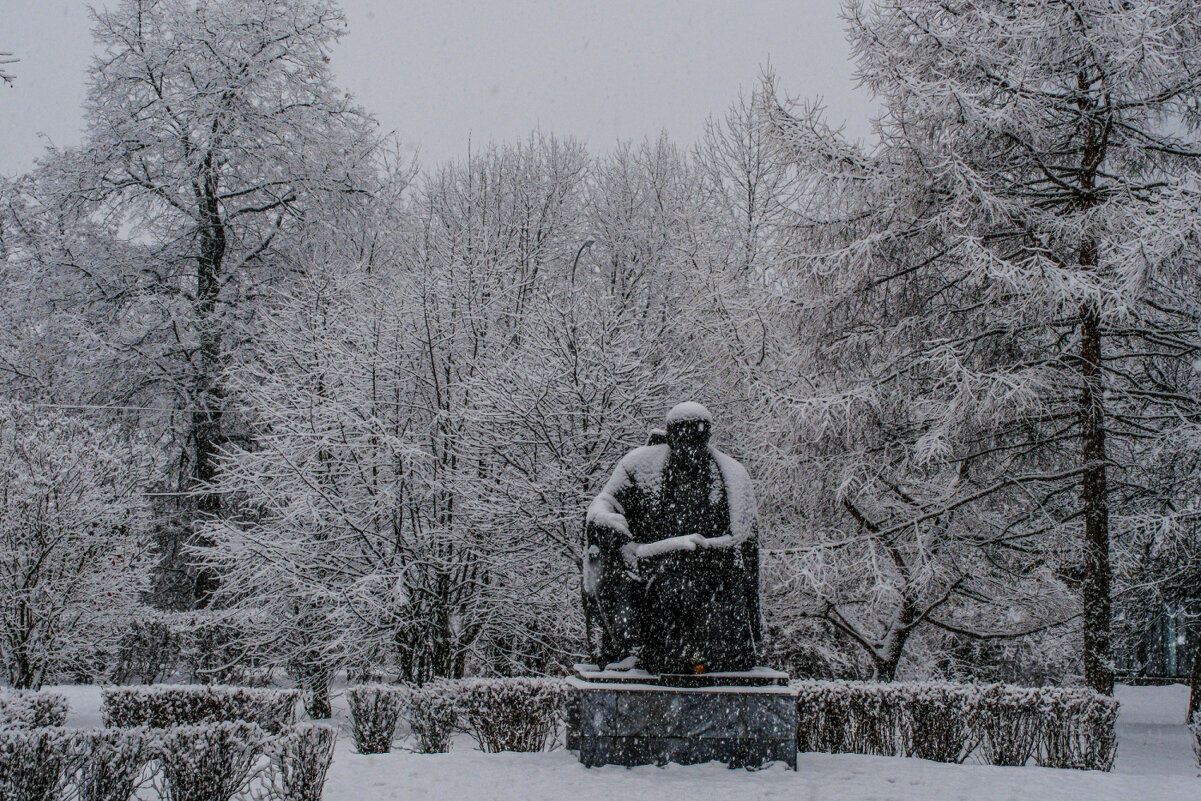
(698, 541)
(629, 554)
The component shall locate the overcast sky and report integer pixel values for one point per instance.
(443, 73)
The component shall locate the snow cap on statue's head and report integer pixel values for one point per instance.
(690, 410)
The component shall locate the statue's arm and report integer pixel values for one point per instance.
(607, 519)
(607, 524)
(688, 542)
(607, 510)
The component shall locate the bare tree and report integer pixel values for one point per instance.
(73, 544)
(213, 133)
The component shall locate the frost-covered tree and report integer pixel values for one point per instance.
(495, 230)
(214, 133)
(428, 429)
(1001, 294)
(364, 476)
(745, 185)
(74, 551)
(322, 558)
(610, 341)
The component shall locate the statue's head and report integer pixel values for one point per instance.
(688, 428)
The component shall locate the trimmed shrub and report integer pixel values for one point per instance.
(1077, 729)
(301, 760)
(937, 721)
(35, 763)
(113, 762)
(844, 717)
(823, 724)
(512, 714)
(1010, 724)
(217, 761)
(1005, 725)
(374, 712)
(163, 706)
(210, 761)
(25, 709)
(432, 715)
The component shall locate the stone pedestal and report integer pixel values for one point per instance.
(630, 722)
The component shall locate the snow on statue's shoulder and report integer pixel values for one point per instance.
(740, 494)
(642, 466)
(689, 410)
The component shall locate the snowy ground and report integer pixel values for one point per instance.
(1155, 763)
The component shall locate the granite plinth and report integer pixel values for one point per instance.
(628, 723)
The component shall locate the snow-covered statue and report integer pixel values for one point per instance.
(672, 566)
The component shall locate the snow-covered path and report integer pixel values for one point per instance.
(1155, 763)
(1151, 739)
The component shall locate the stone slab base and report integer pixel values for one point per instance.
(643, 724)
(755, 677)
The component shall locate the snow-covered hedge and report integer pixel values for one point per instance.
(511, 714)
(34, 763)
(506, 714)
(113, 762)
(938, 721)
(210, 761)
(433, 715)
(215, 761)
(1010, 724)
(374, 713)
(301, 760)
(842, 717)
(164, 705)
(25, 709)
(53, 763)
(1001, 724)
(1077, 729)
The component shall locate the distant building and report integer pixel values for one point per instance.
(1161, 649)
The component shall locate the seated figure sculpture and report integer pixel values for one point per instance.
(672, 565)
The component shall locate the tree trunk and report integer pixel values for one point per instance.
(207, 436)
(885, 669)
(1094, 496)
(1194, 682)
(887, 658)
(316, 696)
(1094, 490)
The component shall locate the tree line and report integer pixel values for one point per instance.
(354, 408)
